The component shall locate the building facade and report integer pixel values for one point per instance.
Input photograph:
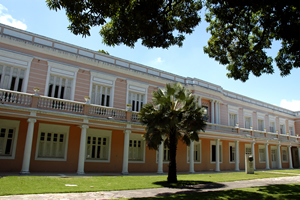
(65, 108)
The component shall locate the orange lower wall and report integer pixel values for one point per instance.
(116, 155)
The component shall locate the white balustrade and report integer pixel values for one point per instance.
(13, 97)
(60, 104)
(107, 112)
(134, 116)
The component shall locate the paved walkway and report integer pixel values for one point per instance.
(160, 191)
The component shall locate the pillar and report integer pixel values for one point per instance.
(217, 155)
(192, 157)
(160, 158)
(279, 156)
(28, 145)
(237, 156)
(253, 153)
(126, 151)
(212, 111)
(290, 157)
(299, 156)
(81, 158)
(199, 102)
(267, 156)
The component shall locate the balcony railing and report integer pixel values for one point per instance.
(8, 97)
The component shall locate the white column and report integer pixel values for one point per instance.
(199, 102)
(279, 156)
(125, 151)
(81, 158)
(290, 157)
(267, 156)
(28, 145)
(237, 156)
(192, 157)
(219, 113)
(217, 155)
(160, 158)
(212, 117)
(253, 153)
(299, 156)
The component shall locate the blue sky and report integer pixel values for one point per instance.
(189, 60)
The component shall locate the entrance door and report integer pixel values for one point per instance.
(274, 157)
(295, 157)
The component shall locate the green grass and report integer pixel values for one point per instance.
(295, 171)
(289, 191)
(11, 185)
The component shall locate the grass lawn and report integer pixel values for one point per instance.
(289, 191)
(11, 185)
(295, 171)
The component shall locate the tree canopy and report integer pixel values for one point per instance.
(172, 115)
(241, 30)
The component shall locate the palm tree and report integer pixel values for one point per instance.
(173, 115)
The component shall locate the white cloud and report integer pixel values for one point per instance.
(9, 20)
(159, 60)
(293, 105)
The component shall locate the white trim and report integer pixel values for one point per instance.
(260, 116)
(187, 153)
(103, 133)
(232, 144)
(14, 124)
(138, 137)
(287, 155)
(50, 128)
(262, 146)
(210, 150)
(105, 80)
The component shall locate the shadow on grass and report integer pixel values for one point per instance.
(190, 184)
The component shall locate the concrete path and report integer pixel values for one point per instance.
(160, 191)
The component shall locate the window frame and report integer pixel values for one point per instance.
(44, 127)
(248, 114)
(104, 80)
(248, 146)
(259, 157)
(221, 151)
(62, 71)
(11, 124)
(137, 88)
(138, 137)
(200, 152)
(18, 61)
(232, 144)
(233, 110)
(102, 133)
(286, 151)
(17, 80)
(261, 117)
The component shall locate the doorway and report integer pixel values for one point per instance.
(295, 157)
(273, 157)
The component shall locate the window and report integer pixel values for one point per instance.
(282, 129)
(59, 87)
(260, 124)
(8, 138)
(136, 100)
(166, 153)
(284, 154)
(197, 152)
(272, 127)
(213, 151)
(231, 152)
(262, 153)
(101, 95)
(247, 122)
(232, 119)
(291, 130)
(98, 145)
(206, 116)
(52, 142)
(11, 78)
(136, 147)
(248, 149)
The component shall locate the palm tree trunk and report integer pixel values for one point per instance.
(172, 174)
